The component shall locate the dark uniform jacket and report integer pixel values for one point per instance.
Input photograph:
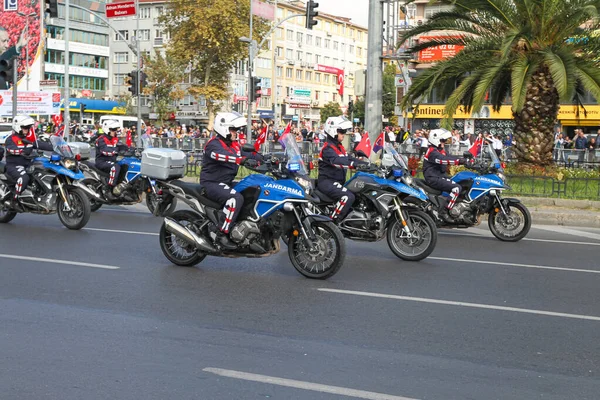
(334, 161)
(17, 148)
(436, 161)
(222, 159)
(107, 148)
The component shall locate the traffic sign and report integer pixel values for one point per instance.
(49, 82)
(123, 9)
(399, 80)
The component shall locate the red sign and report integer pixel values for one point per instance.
(438, 53)
(124, 9)
(237, 99)
(296, 105)
(86, 93)
(339, 73)
(260, 9)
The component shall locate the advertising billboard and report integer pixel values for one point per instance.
(437, 53)
(20, 35)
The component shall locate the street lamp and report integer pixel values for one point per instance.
(251, 45)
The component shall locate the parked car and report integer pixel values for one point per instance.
(5, 131)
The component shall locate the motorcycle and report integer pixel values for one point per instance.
(379, 210)
(55, 188)
(274, 206)
(136, 185)
(509, 220)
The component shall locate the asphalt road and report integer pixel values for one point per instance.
(101, 314)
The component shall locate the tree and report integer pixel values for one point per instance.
(524, 49)
(389, 91)
(331, 109)
(359, 110)
(205, 34)
(164, 79)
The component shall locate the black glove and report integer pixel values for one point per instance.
(259, 157)
(250, 163)
(466, 161)
(363, 167)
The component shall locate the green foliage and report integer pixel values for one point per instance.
(331, 109)
(164, 78)
(389, 90)
(359, 109)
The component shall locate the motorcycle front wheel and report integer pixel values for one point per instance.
(178, 251)
(6, 215)
(324, 258)
(165, 207)
(512, 226)
(79, 214)
(421, 241)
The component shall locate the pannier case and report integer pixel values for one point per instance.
(163, 163)
(83, 149)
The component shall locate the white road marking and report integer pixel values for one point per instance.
(54, 261)
(524, 239)
(315, 387)
(591, 271)
(569, 231)
(121, 231)
(462, 304)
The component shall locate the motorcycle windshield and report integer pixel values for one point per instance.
(398, 159)
(61, 147)
(489, 153)
(295, 162)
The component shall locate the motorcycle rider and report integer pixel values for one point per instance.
(107, 149)
(333, 165)
(435, 165)
(18, 157)
(222, 159)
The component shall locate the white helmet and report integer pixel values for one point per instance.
(437, 135)
(226, 120)
(110, 124)
(22, 121)
(333, 124)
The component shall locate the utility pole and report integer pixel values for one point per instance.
(15, 63)
(373, 103)
(139, 71)
(250, 62)
(67, 90)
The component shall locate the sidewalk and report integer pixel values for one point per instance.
(544, 211)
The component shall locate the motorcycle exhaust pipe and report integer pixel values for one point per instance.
(188, 236)
(87, 190)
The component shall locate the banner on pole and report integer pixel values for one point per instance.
(39, 103)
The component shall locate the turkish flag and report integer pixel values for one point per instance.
(242, 138)
(261, 138)
(379, 143)
(128, 138)
(57, 119)
(286, 132)
(476, 148)
(340, 81)
(364, 145)
(31, 135)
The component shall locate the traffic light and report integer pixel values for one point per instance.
(6, 73)
(311, 14)
(143, 81)
(52, 8)
(82, 108)
(256, 88)
(134, 82)
(350, 107)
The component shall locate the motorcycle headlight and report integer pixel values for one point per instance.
(70, 164)
(501, 176)
(305, 183)
(408, 180)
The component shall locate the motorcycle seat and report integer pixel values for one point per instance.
(428, 189)
(91, 165)
(323, 197)
(197, 190)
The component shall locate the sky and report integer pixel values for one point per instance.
(358, 10)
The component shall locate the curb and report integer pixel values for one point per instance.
(566, 218)
(563, 203)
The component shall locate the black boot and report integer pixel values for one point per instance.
(223, 239)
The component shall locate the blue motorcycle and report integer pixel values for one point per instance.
(509, 220)
(53, 186)
(274, 207)
(133, 182)
(379, 210)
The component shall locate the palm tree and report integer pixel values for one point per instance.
(538, 52)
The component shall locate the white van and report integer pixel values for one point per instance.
(124, 121)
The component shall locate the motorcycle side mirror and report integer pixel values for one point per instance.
(247, 147)
(468, 155)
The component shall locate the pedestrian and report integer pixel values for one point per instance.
(423, 144)
(580, 144)
(559, 143)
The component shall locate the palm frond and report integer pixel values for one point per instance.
(561, 65)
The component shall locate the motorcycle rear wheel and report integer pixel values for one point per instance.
(176, 250)
(96, 187)
(6, 215)
(422, 241)
(503, 226)
(328, 253)
(80, 212)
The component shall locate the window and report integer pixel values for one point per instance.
(290, 34)
(279, 33)
(158, 11)
(121, 57)
(119, 79)
(279, 51)
(309, 39)
(335, 62)
(262, 62)
(308, 76)
(308, 57)
(299, 36)
(359, 35)
(279, 12)
(279, 72)
(298, 55)
(335, 28)
(359, 51)
(343, 47)
(317, 58)
(145, 12)
(327, 26)
(299, 74)
(336, 45)
(327, 79)
(288, 72)
(318, 41)
(144, 34)
(279, 89)
(352, 32)
(327, 43)
(351, 49)
(317, 77)
(327, 60)
(124, 33)
(431, 10)
(317, 93)
(289, 54)
(335, 97)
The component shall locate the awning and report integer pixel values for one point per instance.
(97, 106)
(580, 122)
